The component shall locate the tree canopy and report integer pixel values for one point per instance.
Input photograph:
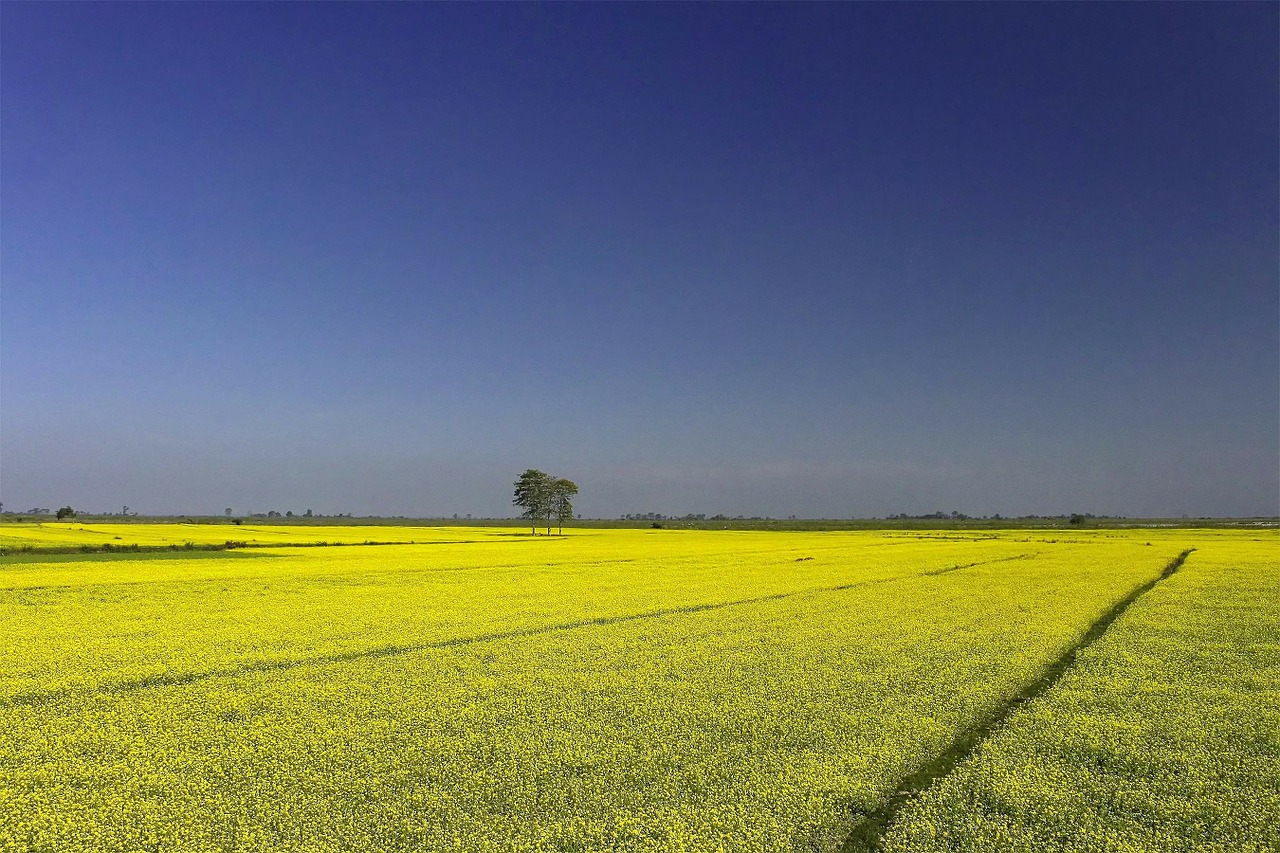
(544, 498)
(562, 492)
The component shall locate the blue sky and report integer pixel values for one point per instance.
(828, 260)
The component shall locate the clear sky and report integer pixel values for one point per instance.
(817, 259)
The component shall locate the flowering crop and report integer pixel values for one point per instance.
(98, 622)
(612, 690)
(1165, 736)
(71, 533)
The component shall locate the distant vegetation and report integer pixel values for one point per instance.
(690, 521)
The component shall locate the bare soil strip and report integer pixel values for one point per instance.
(869, 830)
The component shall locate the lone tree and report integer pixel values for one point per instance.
(533, 492)
(66, 512)
(562, 492)
(544, 498)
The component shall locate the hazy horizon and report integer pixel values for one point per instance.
(823, 260)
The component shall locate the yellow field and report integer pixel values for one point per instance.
(69, 533)
(605, 690)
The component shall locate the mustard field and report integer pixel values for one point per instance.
(660, 690)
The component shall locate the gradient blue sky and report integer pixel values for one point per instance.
(823, 260)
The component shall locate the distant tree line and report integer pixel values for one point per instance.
(693, 516)
(275, 513)
(544, 498)
(1073, 518)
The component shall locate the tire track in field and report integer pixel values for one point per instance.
(868, 832)
(40, 697)
(936, 572)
